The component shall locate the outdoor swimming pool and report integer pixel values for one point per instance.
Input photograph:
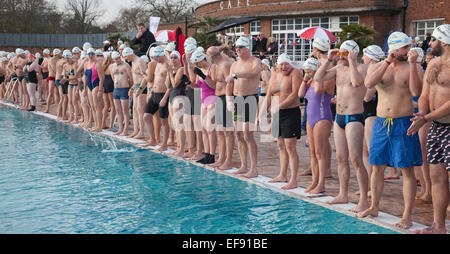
(60, 179)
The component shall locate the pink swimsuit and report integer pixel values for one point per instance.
(208, 94)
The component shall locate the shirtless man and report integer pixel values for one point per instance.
(123, 80)
(19, 63)
(390, 146)
(3, 62)
(434, 106)
(150, 77)
(44, 69)
(220, 70)
(62, 85)
(159, 99)
(244, 81)
(286, 125)
(349, 122)
(51, 79)
(139, 93)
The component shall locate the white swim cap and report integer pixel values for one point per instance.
(105, 42)
(350, 45)
(27, 52)
(67, 54)
(201, 49)
(321, 44)
(119, 42)
(417, 38)
(284, 58)
(311, 64)
(127, 52)
(123, 46)
(38, 55)
(3, 53)
(176, 53)
(83, 55)
(145, 58)
(374, 52)
(442, 33)
(158, 51)
(266, 63)
(190, 41)
(19, 51)
(420, 53)
(76, 50)
(243, 41)
(197, 56)
(46, 51)
(170, 47)
(11, 55)
(398, 40)
(56, 52)
(106, 54)
(4, 59)
(87, 46)
(115, 55)
(190, 48)
(91, 51)
(99, 52)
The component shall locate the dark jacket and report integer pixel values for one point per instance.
(145, 41)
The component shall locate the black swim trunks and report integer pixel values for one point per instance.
(193, 104)
(44, 75)
(438, 145)
(288, 124)
(343, 120)
(65, 87)
(2, 79)
(153, 106)
(108, 84)
(370, 107)
(224, 117)
(245, 108)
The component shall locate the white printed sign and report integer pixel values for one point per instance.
(154, 23)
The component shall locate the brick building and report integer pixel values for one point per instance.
(283, 18)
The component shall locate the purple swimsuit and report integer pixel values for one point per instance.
(318, 107)
(208, 93)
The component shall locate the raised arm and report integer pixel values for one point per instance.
(357, 71)
(415, 76)
(326, 71)
(376, 72)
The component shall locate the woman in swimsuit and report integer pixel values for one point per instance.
(209, 98)
(70, 75)
(94, 85)
(178, 80)
(31, 69)
(108, 95)
(319, 122)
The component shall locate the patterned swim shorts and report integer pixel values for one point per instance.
(438, 145)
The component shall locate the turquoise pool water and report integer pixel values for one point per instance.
(59, 179)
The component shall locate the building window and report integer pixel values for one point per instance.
(285, 32)
(255, 26)
(426, 26)
(347, 20)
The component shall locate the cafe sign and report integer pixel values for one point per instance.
(229, 5)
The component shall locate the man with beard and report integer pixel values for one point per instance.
(434, 105)
(390, 145)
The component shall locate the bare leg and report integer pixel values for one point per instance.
(284, 162)
(293, 163)
(376, 186)
(409, 192)
(321, 148)
(343, 166)
(120, 117)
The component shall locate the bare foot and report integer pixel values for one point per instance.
(338, 200)
(225, 166)
(290, 186)
(430, 230)
(217, 164)
(369, 212)
(118, 133)
(251, 174)
(132, 135)
(196, 157)
(318, 190)
(279, 179)
(311, 187)
(404, 223)
(241, 171)
(360, 208)
(163, 148)
(187, 155)
(306, 172)
(150, 143)
(139, 136)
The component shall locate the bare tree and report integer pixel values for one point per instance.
(131, 16)
(169, 11)
(83, 14)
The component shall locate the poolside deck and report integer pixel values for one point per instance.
(268, 165)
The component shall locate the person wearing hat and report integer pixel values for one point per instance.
(349, 122)
(3, 63)
(390, 145)
(44, 71)
(159, 100)
(220, 70)
(53, 92)
(434, 106)
(94, 85)
(108, 100)
(19, 62)
(123, 79)
(70, 78)
(319, 123)
(242, 99)
(61, 86)
(138, 93)
(282, 99)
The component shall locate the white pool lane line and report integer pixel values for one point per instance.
(384, 220)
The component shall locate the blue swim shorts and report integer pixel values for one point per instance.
(391, 146)
(121, 93)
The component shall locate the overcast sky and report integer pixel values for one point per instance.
(112, 8)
